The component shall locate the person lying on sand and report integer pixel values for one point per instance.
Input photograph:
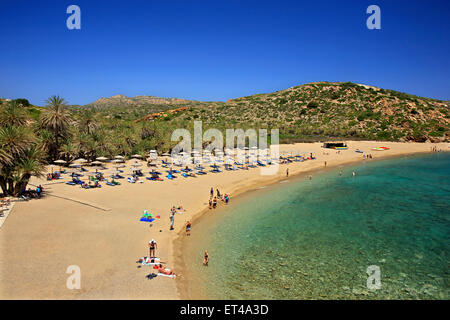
(162, 269)
(149, 260)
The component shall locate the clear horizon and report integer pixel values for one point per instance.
(219, 50)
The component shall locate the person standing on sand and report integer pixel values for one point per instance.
(325, 164)
(211, 192)
(153, 246)
(172, 219)
(206, 258)
(188, 228)
(287, 172)
(210, 203)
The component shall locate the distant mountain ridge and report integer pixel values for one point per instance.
(122, 100)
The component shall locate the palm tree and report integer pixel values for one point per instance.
(30, 164)
(56, 119)
(12, 114)
(87, 122)
(23, 159)
(69, 151)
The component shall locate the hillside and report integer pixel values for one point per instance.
(322, 110)
(124, 101)
(132, 108)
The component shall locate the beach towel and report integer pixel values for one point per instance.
(148, 261)
(173, 276)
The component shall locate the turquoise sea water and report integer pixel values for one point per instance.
(315, 239)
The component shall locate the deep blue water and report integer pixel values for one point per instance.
(315, 239)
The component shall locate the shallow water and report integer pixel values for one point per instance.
(315, 239)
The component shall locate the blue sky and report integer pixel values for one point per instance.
(217, 50)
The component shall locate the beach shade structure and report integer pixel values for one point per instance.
(96, 163)
(166, 154)
(80, 160)
(136, 156)
(60, 162)
(119, 157)
(74, 165)
(101, 158)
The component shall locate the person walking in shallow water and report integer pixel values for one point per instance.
(188, 228)
(206, 258)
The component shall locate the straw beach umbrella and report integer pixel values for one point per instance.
(60, 162)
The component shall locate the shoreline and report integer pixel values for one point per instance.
(179, 245)
(106, 244)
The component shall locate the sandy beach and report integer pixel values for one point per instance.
(99, 229)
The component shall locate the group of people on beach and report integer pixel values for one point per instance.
(32, 194)
(157, 263)
(213, 200)
(53, 176)
(435, 149)
(367, 156)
